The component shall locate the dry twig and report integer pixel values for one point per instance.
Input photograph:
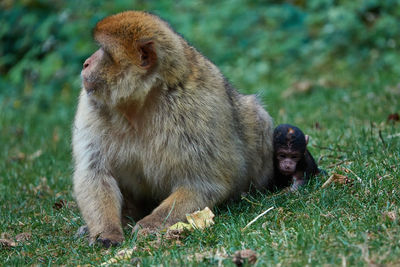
(256, 218)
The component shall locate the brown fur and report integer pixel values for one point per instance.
(158, 127)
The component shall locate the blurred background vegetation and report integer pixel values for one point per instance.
(43, 43)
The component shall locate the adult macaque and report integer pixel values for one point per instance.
(293, 162)
(159, 132)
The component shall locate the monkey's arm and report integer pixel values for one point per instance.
(306, 169)
(99, 200)
(96, 190)
(298, 180)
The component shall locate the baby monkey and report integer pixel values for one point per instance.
(293, 163)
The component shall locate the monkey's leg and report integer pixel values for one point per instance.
(99, 200)
(174, 209)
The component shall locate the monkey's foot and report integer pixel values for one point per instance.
(107, 240)
(297, 184)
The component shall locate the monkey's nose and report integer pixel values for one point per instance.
(86, 64)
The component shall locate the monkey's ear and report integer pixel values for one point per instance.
(147, 53)
(307, 138)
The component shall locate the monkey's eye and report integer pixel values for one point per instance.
(107, 54)
(296, 157)
(281, 156)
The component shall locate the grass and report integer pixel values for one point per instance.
(355, 223)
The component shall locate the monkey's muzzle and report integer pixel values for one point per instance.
(89, 86)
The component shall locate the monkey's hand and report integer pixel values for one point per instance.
(298, 181)
(106, 242)
(146, 226)
(111, 239)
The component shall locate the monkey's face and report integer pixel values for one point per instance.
(122, 69)
(287, 160)
(96, 73)
(138, 53)
(112, 77)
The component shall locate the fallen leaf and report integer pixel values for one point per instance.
(135, 261)
(300, 87)
(7, 243)
(180, 226)
(178, 243)
(328, 215)
(35, 155)
(391, 215)
(219, 255)
(56, 136)
(327, 82)
(23, 237)
(5, 236)
(144, 232)
(177, 232)
(59, 204)
(174, 234)
(201, 219)
(197, 220)
(338, 179)
(18, 156)
(352, 172)
(18, 131)
(123, 254)
(241, 255)
(71, 204)
(42, 187)
(393, 135)
(393, 117)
